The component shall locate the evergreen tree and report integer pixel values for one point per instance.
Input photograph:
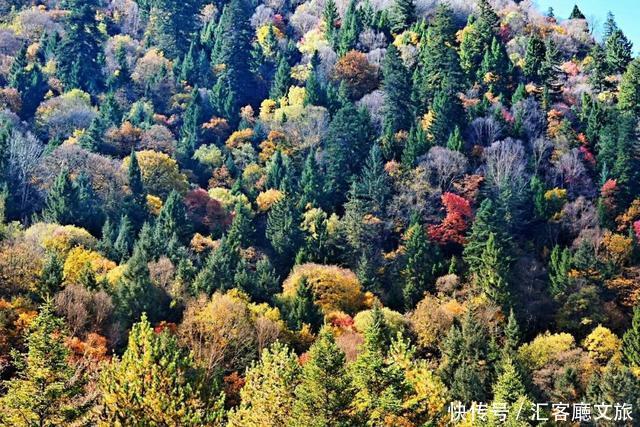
(372, 186)
(172, 219)
(347, 144)
(137, 210)
(379, 385)
(148, 244)
(311, 183)
(629, 98)
(266, 282)
(495, 69)
(402, 15)
(123, 244)
(61, 206)
(29, 81)
(136, 294)
(283, 232)
(303, 309)
(330, 18)
(422, 265)
(631, 340)
(559, 266)
(398, 111)
(45, 391)
(618, 50)
(533, 57)
(90, 214)
(350, 29)
(158, 382)
(107, 242)
(314, 91)
(51, 277)
(415, 146)
(171, 25)
(323, 396)
(235, 85)
(78, 54)
(511, 335)
(282, 80)
(219, 269)
(598, 68)
(190, 130)
(508, 387)
(447, 111)
(576, 13)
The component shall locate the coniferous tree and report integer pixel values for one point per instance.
(109, 235)
(90, 213)
(372, 186)
(314, 91)
(29, 81)
(61, 205)
(402, 15)
(235, 84)
(631, 340)
(282, 79)
(350, 29)
(219, 269)
(283, 232)
(172, 219)
(618, 51)
(78, 54)
(45, 391)
(398, 111)
(311, 184)
(330, 18)
(576, 13)
(447, 111)
(303, 309)
(422, 265)
(137, 210)
(171, 25)
(157, 381)
(629, 98)
(559, 266)
(533, 57)
(508, 387)
(123, 244)
(51, 277)
(323, 396)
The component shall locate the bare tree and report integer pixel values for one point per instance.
(571, 173)
(506, 164)
(25, 152)
(445, 165)
(541, 148)
(484, 131)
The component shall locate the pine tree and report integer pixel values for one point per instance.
(533, 57)
(496, 68)
(283, 232)
(347, 144)
(61, 206)
(190, 130)
(629, 98)
(559, 266)
(78, 54)
(171, 25)
(350, 29)
(508, 387)
(147, 243)
(379, 385)
(492, 276)
(282, 79)
(402, 15)
(324, 393)
(511, 335)
(123, 244)
(45, 391)
(311, 184)
(135, 293)
(314, 91)
(158, 382)
(137, 210)
(422, 265)
(372, 186)
(219, 269)
(235, 85)
(51, 276)
(90, 213)
(303, 309)
(631, 340)
(618, 50)
(447, 111)
(576, 13)
(266, 282)
(398, 111)
(172, 219)
(330, 18)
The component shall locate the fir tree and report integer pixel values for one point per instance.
(314, 91)
(219, 269)
(311, 183)
(282, 79)
(398, 111)
(283, 231)
(330, 18)
(78, 54)
(61, 205)
(45, 391)
(123, 244)
(350, 29)
(533, 57)
(172, 219)
(137, 210)
(559, 266)
(618, 51)
(190, 130)
(90, 213)
(576, 13)
(51, 277)
(631, 340)
(157, 381)
(629, 98)
(171, 25)
(324, 393)
(508, 387)
(402, 15)
(303, 309)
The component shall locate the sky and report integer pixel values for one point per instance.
(627, 13)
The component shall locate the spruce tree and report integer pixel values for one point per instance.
(61, 205)
(402, 15)
(422, 265)
(78, 54)
(219, 269)
(314, 91)
(533, 57)
(576, 13)
(171, 25)
(559, 266)
(283, 232)
(311, 183)
(324, 393)
(629, 98)
(330, 18)
(618, 51)
(45, 391)
(136, 201)
(51, 277)
(190, 130)
(631, 340)
(90, 213)
(282, 79)
(350, 29)
(398, 111)
(156, 381)
(508, 387)
(172, 219)
(303, 309)
(123, 244)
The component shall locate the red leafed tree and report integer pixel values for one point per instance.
(455, 224)
(206, 213)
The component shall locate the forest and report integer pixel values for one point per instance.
(308, 213)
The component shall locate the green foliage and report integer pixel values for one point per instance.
(157, 382)
(398, 111)
(631, 340)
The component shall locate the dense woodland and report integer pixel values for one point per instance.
(320, 213)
